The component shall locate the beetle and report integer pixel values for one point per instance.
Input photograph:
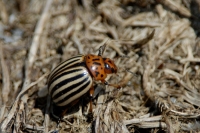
(74, 77)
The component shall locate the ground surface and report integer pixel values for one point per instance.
(155, 45)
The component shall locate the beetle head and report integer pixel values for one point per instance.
(110, 66)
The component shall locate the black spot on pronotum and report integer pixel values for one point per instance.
(110, 61)
(96, 59)
(112, 70)
(97, 73)
(97, 63)
(88, 57)
(102, 75)
(96, 68)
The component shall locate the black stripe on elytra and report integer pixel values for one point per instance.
(59, 75)
(96, 59)
(74, 93)
(67, 64)
(65, 81)
(71, 59)
(73, 86)
(97, 63)
(61, 69)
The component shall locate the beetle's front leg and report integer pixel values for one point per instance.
(90, 115)
(91, 97)
(114, 85)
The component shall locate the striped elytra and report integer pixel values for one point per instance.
(69, 81)
(74, 77)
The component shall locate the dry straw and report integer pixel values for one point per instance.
(154, 43)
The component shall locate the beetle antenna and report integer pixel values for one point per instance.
(102, 48)
(131, 72)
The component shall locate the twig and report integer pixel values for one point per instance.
(145, 24)
(3, 12)
(6, 82)
(152, 125)
(35, 43)
(169, 125)
(78, 44)
(151, 122)
(139, 120)
(34, 128)
(46, 119)
(38, 31)
(173, 5)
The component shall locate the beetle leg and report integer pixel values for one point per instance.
(72, 104)
(52, 112)
(91, 97)
(90, 115)
(64, 112)
(114, 85)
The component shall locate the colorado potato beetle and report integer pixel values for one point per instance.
(74, 77)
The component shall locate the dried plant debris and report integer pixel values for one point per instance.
(154, 43)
